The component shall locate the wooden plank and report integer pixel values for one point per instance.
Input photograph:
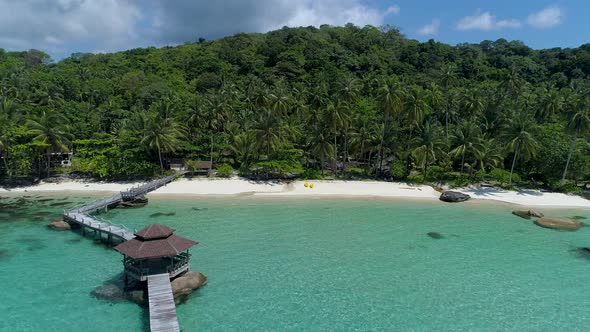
(162, 307)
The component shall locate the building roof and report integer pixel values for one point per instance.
(155, 241)
(154, 231)
(204, 164)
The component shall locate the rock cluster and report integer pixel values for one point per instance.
(182, 287)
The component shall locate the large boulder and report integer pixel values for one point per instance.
(527, 214)
(559, 223)
(454, 197)
(186, 284)
(59, 224)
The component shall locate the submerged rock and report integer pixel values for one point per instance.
(435, 235)
(582, 252)
(136, 203)
(578, 218)
(527, 214)
(160, 214)
(454, 197)
(559, 223)
(111, 292)
(59, 224)
(59, 203)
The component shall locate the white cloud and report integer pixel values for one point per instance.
(186, 20)
(486, 21)
(85, 25)
(43, 24)
(430, 29)
(546, 18)
(392, 10)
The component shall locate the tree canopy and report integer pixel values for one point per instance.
(299, 100)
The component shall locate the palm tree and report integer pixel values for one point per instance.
(321, 147)
(390, 95)
(520, 139)
(268, 129)
(336, 116)
(416, 107)
(214, 115)
(552, 103)
(161, 135)
(448, 76)
(50, 129)
(362, 136)
(350, 88)
(244, 148)
(428, 145)
(8, 119)
(466, 140)
(489, 153)
(472, 104)
(578, 124)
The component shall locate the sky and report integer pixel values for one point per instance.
(62, 27)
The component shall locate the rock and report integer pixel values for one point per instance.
(559, 223)
(454, 197)
(59, 224)
(137, 296)
(186, 284)
(527, 214)
(435, 235)
(110, 292)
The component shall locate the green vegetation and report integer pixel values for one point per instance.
(344, 102)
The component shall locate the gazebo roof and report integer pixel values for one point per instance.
(154, 231)
(155, 241)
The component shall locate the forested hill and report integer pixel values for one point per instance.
(340, 101)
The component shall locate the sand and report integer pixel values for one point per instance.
(238, 186)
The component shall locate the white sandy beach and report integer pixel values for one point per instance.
(237, 186)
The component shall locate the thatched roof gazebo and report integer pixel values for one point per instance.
(155, 250)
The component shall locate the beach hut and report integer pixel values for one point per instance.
(155, 250)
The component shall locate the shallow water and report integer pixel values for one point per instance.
(325, 264)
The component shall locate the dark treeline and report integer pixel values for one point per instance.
(334, 101)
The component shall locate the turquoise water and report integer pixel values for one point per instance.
(338, 265)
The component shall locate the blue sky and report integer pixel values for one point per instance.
(62, 27)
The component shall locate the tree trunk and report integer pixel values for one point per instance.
(268, 146)
(211, 155)
(160, 157)
(381, 147)
(462, 160)
(447, 111)
(335, 168)
(569, 157)
(514, 162)
(48, 162)
(424, 170)
(8, 172)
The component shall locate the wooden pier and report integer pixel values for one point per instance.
(81, 215)
(161, 299)
(162, 307)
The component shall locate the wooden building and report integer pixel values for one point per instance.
(155, 250)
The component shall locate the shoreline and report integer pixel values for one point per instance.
(238, 187)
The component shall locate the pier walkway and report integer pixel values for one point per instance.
(162, 307)
(81, 215)
(161, 299)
